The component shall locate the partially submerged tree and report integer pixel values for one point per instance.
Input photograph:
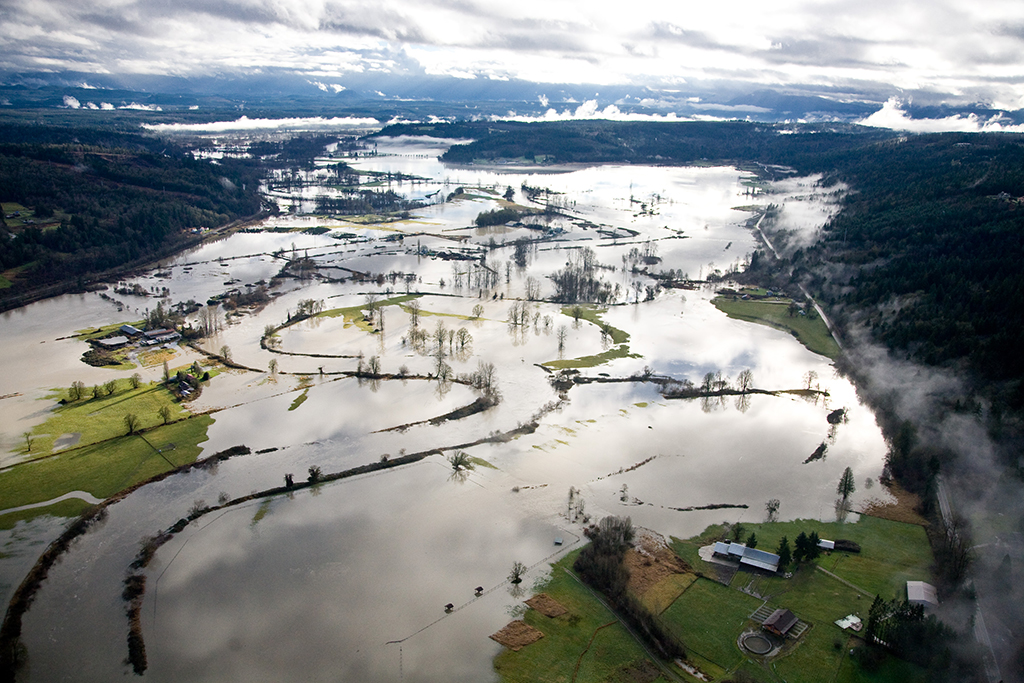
(516, 575)
(460, 460)
(847, 484)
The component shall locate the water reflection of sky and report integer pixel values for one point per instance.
(317, 586)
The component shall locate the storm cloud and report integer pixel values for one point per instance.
(957, 50)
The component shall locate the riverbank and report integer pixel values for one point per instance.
(778, 312)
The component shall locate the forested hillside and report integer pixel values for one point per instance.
(103, 200)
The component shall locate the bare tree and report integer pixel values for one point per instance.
(810, 377)
(272, 367)
(110, 386)
(516, 575)
(440, 336)
(484, 377)
(209, 320)
(745, 380)
(131, 422)
(165, 414)
(532, 288)
(135, 380)
(561, 335)
(225, 353)
(478, 310)
(28, 441)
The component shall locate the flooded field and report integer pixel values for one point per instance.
(349, 579)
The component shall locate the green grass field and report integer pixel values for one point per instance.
(353, 315)
(708, 617)
(592, 314)
(105, 459)
(100, 419)
(707, 620)
(553, 658)
(103, 469)
(810, 329)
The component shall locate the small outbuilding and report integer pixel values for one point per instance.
(780, 622)
(921, 593)
(131, 330)
(826, 544)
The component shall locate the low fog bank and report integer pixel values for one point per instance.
(934, 421)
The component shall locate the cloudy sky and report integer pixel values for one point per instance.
(963, 51)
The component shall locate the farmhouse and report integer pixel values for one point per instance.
(780, 622)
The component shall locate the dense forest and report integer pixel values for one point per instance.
(112, 199)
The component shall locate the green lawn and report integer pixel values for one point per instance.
(891, 552)
(553, 658)
(354, 314)
(103, 469)
(592, 314)
(810, 329)
(708, 617)
(100, 419)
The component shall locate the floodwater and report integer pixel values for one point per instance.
(349, 580)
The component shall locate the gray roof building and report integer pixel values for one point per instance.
(752, 557)
(113, 342)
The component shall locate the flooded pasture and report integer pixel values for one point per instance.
(349, 579)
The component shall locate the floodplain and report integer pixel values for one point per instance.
(375, 338)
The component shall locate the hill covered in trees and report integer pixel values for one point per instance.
(104, 199)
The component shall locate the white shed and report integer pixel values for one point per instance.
(921, 593)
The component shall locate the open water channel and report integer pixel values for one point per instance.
(348, 580)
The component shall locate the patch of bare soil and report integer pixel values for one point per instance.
(903, 510)
(650, 560)
(517, 635)
(546, 605)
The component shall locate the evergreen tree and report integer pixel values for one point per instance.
(800, 553)
(785, 556)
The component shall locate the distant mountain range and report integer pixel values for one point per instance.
(388, 96)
